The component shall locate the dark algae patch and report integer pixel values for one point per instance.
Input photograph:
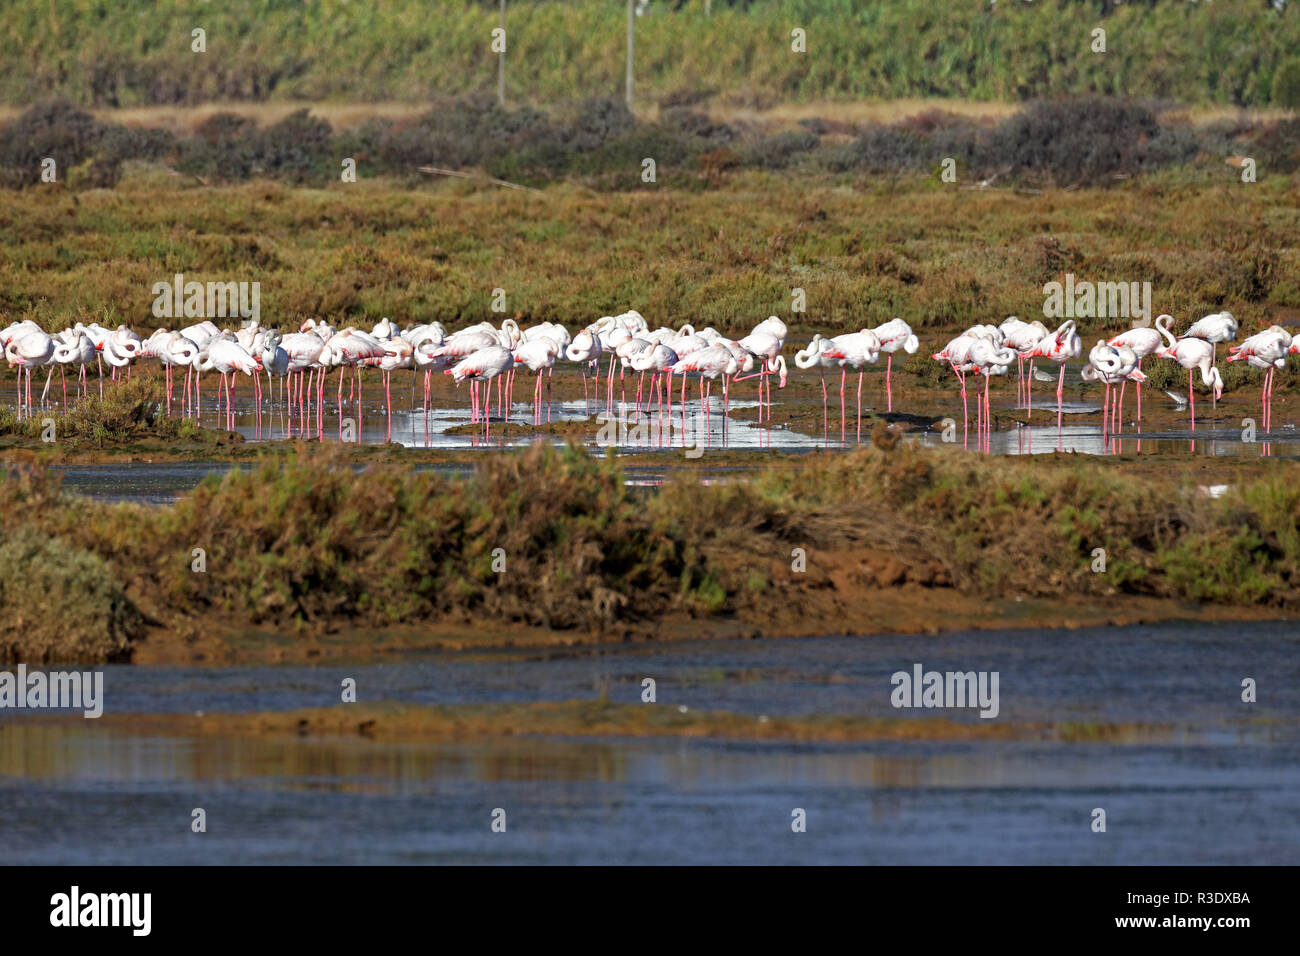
(603, 718)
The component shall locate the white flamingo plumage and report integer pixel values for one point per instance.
(1265, 350)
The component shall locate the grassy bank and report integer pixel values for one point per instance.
(864, 249)
(139, 51)
(555, 540)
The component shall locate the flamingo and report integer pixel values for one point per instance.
(465, 343)
(708, 363)
(484, 365)
(987, 358)
(539, 355)
(585, 350)
(626, 352)
(75, 349)
(765, 347)
(658, 361)
(1112, 365)
(1059, 346)
(856, 349)
(227, 356)
(1265, 350)
(892, 336)
(28, 349)
(304, 351)
(1191, 354)
(427, 340)
(1145, 340)
(398, 354)
(1023, 337)
(956, 355)
(175, 351)
(1214, 328)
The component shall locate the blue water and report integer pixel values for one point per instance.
(1214, 780)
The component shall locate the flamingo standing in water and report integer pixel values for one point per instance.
(626, 352)
(585, 350)
(1191, 354)
(75, 349)
(815, 356)
(765, 347)
(484, 366)
(465, 343)
(1112, 365)
(539, 355)
(350, 348)
(956, 355)
(424, 342)
(1059, 346)
(856, 349)
(1144, 341)
(892, 336)
(176, 351)
(1023, 338)
(765, 343)
(708, 363)
(227, 356)
(30, 348)
(659, 362)
(986, 358)
(1265, 350)
(398, 354)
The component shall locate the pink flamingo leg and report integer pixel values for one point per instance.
(889, 388)
(860, 406)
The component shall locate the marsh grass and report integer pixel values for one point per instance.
(727, 257)
(131, 409)
(310, 543)
(62, 604)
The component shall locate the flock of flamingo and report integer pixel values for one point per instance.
(483, 354)
(989, 350)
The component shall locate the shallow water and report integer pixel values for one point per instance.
(1216, 781)
(695, 431)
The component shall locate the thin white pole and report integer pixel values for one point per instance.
(630, 15)
(501, 65)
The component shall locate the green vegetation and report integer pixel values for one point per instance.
(128, 52)
(302, 545)
(61, 603)
(864, 248)
(129, 411)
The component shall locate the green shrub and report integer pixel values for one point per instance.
(1286, 84)
(60, 603)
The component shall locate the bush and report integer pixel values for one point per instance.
(882, 149)
(779, 151)
(462, 133)
(297, 148)
(54, 129)
(1278, 147)
(224, 147)
(1286, 85)
(699, 126)
(60, 604)
(1087, 140)
(597, 120)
